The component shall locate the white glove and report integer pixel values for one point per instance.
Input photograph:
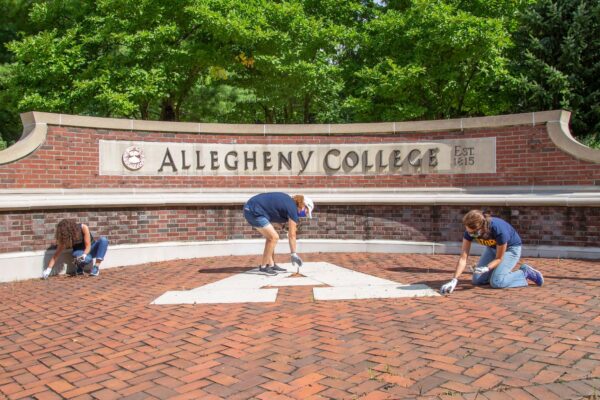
(296, 260)
(81, 258)
(481, 270)
(46, 273)
(449, 287)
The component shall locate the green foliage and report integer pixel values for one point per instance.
(431, 60)
(299, 61)
(13, 25)
(556, 62)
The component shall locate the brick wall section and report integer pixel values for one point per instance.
(27, 231)
(69, 159)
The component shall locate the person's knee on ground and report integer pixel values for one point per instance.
(499, 281)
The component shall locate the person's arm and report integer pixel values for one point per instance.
(57, 253)
(460, 267)
(292, 226)
(87, 239)
(500, 250)
(462, 261)
(292, 239)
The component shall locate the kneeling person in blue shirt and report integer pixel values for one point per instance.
(502, 253)
(266, 208)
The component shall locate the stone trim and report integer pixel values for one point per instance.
(29, 265)
(35, 129)
(561, 136)
(567, 196)
(33, 136)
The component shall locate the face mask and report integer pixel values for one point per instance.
(302, 213)
(475, 234)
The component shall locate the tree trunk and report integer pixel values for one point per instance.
(144, 111)
(167, 110)
(306, 108)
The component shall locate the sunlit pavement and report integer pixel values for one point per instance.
(101, 338)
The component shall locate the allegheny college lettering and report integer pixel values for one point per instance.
(452, 156)
(334, 160)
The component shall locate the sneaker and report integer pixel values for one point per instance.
(267, 271)
(277, 268)
(532, 274)
(95, 271)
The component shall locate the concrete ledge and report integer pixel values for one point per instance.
(40, 199)
(29, 265)
(81, 121)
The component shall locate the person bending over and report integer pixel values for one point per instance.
(502, 252)
(71, 235)
(266, 208)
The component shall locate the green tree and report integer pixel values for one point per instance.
(293, 63)
(423, 59)
(268, 61)
(121, 58)
(556, 62)
(13, 24)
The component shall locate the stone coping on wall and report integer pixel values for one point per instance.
(35, 128)
(568, 196)
(31, 263)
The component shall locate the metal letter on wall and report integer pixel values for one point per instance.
(458, 156)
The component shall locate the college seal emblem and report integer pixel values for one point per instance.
(133, 158)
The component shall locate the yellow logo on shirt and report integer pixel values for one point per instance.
(486, 242)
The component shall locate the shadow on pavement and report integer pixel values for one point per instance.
(224, 270)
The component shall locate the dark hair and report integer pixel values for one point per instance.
(68, 232)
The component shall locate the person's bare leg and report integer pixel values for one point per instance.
(272, 237)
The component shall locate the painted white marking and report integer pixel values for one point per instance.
(251, 286)
(372, 292)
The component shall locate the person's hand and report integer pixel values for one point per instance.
(46, 273)
(481, 270)
(81, 258)
(296, 260)
(449, 287)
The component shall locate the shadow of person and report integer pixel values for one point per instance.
(222, 270)
(64, 263)
(420, 270)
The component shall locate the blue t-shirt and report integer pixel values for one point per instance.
(276, 207)
(501, 232)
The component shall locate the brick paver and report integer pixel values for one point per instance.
(99, 338)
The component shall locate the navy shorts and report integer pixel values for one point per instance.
(256, 221)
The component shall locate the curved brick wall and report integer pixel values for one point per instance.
(525, 156)
(536, 162)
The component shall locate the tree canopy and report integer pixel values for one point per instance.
(299, 61)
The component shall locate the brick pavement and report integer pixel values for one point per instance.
(98, 338)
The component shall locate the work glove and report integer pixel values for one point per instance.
(481, 270)
(81, 259)
(449, 287)
(296, 260)
(46, 273)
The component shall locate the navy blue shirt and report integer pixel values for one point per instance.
(501, 232)
(276, 207)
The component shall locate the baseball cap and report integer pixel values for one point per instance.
(310, 205)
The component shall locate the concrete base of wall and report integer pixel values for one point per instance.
(29, 265)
